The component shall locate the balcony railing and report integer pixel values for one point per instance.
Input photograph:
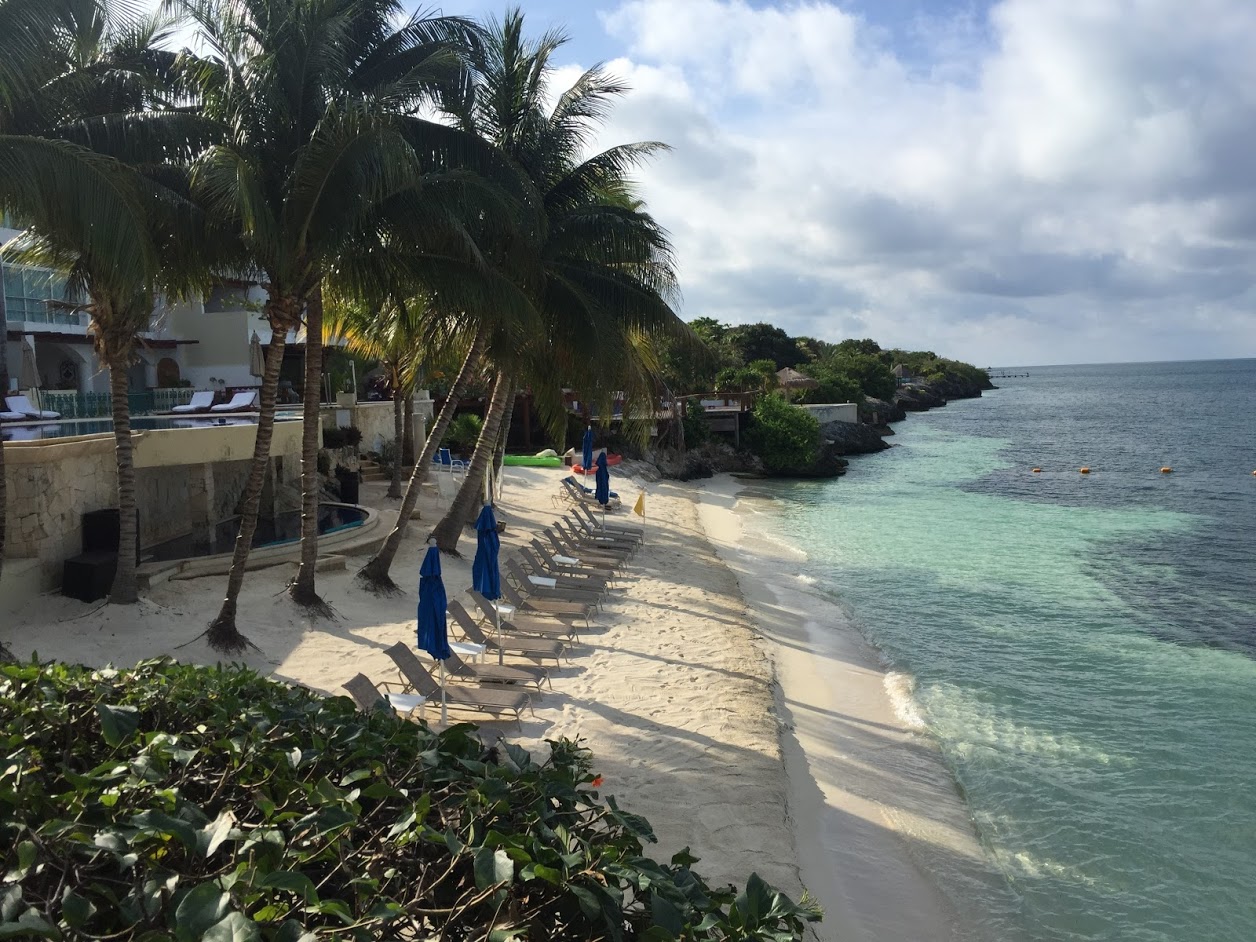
(76, 405)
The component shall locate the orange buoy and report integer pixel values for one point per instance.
(1039, 471)
(1084, 470)
(1166, 470)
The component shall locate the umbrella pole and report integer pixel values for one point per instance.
(497, 622)
(443, 714)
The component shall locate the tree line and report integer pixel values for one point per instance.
(747, 358)
(409, 184)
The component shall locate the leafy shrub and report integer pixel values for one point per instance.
(785, 437)
(463, 432)
(346, 436)
(183, 803)
(697, 428)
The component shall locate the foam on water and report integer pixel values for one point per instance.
(1081, 648)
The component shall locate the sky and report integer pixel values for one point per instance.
(1008, 183)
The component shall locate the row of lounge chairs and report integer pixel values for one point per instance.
(203, 401)
(19, 409)
(551, 589)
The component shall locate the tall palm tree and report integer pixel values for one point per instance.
(608, 272)
(63, 124)
(318, 100)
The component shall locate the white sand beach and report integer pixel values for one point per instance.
(816, 782)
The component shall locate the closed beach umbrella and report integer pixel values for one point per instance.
(602, 485)
(486, 577)
(257, 361)
(586, 456)
(433, 629)
(29, 378)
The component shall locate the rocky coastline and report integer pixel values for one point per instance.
(840, 439)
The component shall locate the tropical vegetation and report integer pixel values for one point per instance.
(211, 803)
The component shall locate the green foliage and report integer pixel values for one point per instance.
(764, 342)
(697, 428)
(925, 364)
(463, 432)
(346, 436)
(180, 803)
(785, 437)
(872, 374)
(835, 385)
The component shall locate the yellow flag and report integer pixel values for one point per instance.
(639, 507)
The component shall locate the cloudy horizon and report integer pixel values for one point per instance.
(1021, 182)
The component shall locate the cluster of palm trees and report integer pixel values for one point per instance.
(410, 186)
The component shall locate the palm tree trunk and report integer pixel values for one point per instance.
(302, 590)
(499, 453)
(399, 419)
(407, 433)
(374, 575)
(449, 529)
(223, 636)
(125, 591)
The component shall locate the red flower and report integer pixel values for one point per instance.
(597, 782)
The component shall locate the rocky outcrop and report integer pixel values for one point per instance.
(828, 463)
(881, 412)
(853, 438)
(704, 461)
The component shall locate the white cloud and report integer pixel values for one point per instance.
(1063, 182)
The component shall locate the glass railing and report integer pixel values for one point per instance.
(93, 405)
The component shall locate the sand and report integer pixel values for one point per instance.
(814, 782)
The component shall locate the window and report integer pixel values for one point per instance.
(28, 291)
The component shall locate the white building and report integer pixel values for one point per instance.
(204, 344)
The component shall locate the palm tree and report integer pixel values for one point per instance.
(91, 214)
(607, 267)
(318, 102)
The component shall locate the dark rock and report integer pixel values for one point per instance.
(853, 438)
(704, 461)
(881, 412)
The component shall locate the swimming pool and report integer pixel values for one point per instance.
(272, 531)
(78, 428)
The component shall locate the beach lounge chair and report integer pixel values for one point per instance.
(547, 587)
(23, 405)
(591, 543)
(535, 605)
(571, 577)
(367, 696)
(588, 557)
(13, 417)
(561, 559)
(201, 402)
(240, 402)
(581, 494)
(594, 535)
(419, 680)
(512, 620)
(459, 670)
(622, 529)
(533, 648)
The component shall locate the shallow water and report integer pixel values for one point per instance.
(1081, 646)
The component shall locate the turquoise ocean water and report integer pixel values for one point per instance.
(1082, 647)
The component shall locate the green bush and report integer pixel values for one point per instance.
(463, 432)
(346, 436)
(697, 428)
(169, 802)
(785, 437)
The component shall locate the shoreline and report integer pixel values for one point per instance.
(884, 839)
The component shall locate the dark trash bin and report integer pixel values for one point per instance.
(350, 484)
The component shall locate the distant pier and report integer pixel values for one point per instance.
(1004, 374)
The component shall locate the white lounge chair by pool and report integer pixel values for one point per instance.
(12, 416)
(240, 402)
(23, 405)
(201, 402)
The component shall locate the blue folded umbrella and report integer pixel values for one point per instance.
(433, 629)
(587, 456)
(602, 480)
(485, 574)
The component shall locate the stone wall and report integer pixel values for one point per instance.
(51, 486)
(375, 421)
(825, 412)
